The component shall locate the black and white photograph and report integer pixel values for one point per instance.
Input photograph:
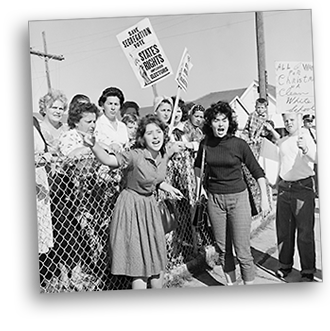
(159, 165)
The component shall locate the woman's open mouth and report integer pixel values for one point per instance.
(221, 131)
(156, 143)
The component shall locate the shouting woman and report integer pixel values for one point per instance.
(137, 238)
(228, 202)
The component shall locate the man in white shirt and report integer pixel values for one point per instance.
(296, 199)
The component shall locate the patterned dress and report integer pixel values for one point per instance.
(137, 239)
(69, 141)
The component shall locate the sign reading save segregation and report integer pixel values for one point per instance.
(144, 53)
(294, 87)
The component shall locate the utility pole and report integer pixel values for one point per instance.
(47, 57)
(262, 73)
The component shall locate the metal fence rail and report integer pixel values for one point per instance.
(75, 201)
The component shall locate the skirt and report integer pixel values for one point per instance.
(137, 239)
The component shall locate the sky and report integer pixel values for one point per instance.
(222, 47)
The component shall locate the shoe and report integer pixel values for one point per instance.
(282, 273)
(307, 278)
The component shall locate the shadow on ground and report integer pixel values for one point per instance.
(269, 264)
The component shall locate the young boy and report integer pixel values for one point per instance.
(296, 199)
(257, 126)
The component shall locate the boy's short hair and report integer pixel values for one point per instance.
(262, 101)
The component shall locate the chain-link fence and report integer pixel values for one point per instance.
(75, 200)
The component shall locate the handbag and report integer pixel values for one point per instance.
(199, 210)
(168, 215)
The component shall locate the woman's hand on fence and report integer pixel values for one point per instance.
(89, 140)
(172, 191)
(178, 147)
(176, 194)
(115, 147)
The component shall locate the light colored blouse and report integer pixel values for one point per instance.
(107, 134)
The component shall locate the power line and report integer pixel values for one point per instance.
(118, 29)
(117, 46)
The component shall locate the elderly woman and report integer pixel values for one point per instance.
(228, 203)
(52, 107)
(81, 120)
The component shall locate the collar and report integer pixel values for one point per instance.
(104, 120)
(179, 126)
(147, 155)
(218, 139)
(75, 132)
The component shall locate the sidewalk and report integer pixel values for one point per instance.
(265, 253)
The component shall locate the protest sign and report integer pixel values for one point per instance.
(269, 160)
(294, 87)
(183, 70)
(182, 79)
(144, 53)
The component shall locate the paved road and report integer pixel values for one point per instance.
(264, 250)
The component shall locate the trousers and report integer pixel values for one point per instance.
(230, 218)
(295, 218)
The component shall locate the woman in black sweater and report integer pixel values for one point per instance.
(228, 203)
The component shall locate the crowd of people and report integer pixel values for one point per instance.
(161, 155)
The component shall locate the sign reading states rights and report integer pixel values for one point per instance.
(294, 87)
(144, 53)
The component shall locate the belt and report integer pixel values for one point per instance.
(305, 183)
(299, 181)
(146, 194)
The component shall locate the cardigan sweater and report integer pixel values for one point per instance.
(223, 159)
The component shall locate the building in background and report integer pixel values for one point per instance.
(242, 100)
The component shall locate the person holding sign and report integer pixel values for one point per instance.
(296, 199)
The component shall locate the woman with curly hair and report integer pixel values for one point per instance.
(137, 238)
(52, 107)
(228, 203)
(82, 118)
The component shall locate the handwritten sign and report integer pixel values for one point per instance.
(294, 87)
(183, 70)
(144, 53)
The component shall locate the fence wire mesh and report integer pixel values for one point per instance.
(75, 201)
